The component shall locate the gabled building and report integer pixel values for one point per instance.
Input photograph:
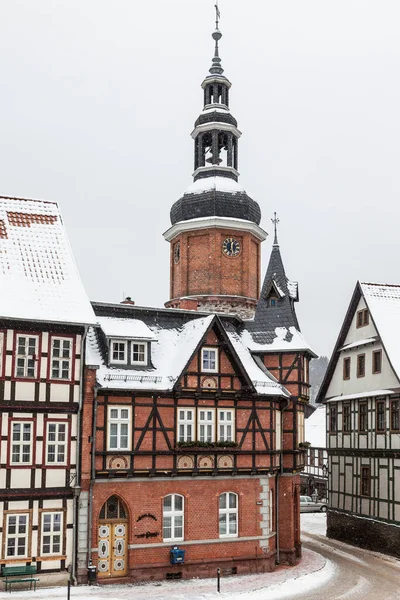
(44, 316)
(362, 395)
(194, 414)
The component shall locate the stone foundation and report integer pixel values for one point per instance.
(365, 533)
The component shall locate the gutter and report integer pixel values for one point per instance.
(92, 476)
(277, 485)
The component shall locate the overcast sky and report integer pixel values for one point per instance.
(98, 98)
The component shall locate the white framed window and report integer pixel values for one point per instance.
(206, 425)
(61, 358)
(226, 425)
(27, 356)
(17, 532)
(21, 443)
(278, 430)
(118, 352)
(56, 447)
(173, 513)
(139, 353)
(209, 360)
(51, 533)
(228, 515)
(300, 428)
(119, 419)
(186, 425)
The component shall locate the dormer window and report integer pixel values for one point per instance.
(139, 353)
(118, 353)
(209, 360)
(272, 301)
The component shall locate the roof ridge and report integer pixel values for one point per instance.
(380, 284)
(27, 199)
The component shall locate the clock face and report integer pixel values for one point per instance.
(231, 247)
(177, 252)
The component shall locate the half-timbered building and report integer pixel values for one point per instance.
(314, 479)
(362, 395)
(44, 314)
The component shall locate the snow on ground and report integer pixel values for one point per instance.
(312, 572)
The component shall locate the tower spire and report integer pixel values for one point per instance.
(275, 221)
(216, 68)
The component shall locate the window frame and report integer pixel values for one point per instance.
(185, 422)
(395, 415)
(346, 418)
(62, 338)
(111, 350)
(42, 533)
(209, 370)
(333, 418)
(362, 415)
(376, 353)
(359, 373)
(27, 536)
(36, 359)
(346, 361)
(227, 511)
(365, 481)
(362, 319)
(67, 444)
(119, 421)
(32, 443)
(3, 351)
(145, 345)
(204, 422)
(173, 514)
(226, 424)
(378, 427)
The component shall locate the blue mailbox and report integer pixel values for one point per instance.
(177, 555)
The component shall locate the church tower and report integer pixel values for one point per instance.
(215, 235)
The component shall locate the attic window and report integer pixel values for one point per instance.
(362, 318)
(139, 353)
(273, 301)
(209, 360)
(118, 352)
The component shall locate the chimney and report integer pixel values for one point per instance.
(128, 300)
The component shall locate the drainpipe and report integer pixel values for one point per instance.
(92, 475)
(277, 485)
(77, 487)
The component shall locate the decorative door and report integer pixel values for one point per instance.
(113, 539)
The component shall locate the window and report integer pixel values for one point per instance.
(17, 530)
(209, 360)
(173, 518)
(206, 425)
(272, 301)
(377, 361)
(300, 428)
(2, 352)
(395, 415)
(362, 318)
(118, 351)
(226, 424)
(56, 453)
(380, 415)
(278, 430)
(312, 457)
(333, 418)
(21, 445)
(118, 428)
(346, 367)
(361, 365)
(139, 353)
(320, 458)
(228, 515)
(346, 418)
(363, 416)
(365, 481)
(61, 358)
(51, 533)
(186, 425)
(27, 359)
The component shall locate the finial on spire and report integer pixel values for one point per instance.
(275, 221)
(216, 68)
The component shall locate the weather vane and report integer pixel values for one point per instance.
(275, 221)
(218, 14)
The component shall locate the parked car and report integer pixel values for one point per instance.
(307, 504)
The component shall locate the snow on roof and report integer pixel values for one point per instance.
(39, 279)
(383, 302)
(364, 342)
(279, 343)
(315, 428)
(360, 395)
(293, 288)
(262, 383)
(221, 184)
(125, 328)
(169, 355)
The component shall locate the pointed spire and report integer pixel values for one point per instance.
(216, 68)
(275, 221)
